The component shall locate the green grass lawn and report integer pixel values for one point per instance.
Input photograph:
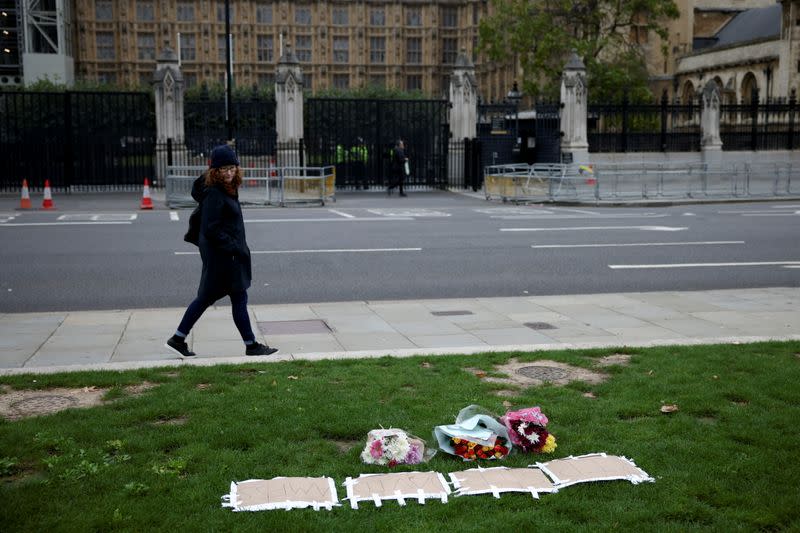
(726, 460)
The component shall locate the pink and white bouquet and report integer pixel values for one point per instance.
(394, 447)
(527, 429)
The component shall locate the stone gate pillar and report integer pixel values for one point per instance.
(463, 99)
(711, 142)
(289, 107)
(463, 115)
(168, 89)
(574, 94)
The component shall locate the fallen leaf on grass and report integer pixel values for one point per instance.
(425, 364)
(292, 377)
(589, 395)
(480, 374)
(669, 408)
(507, 404)
(90, 389)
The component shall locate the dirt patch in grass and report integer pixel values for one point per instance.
(615, 359)
(345, 446)
(534, 373)
(19, 404)
(172, 421)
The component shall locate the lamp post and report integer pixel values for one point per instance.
(228, 73)
(515, 96)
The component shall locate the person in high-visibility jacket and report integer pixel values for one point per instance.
(358, 163)
(342, 161)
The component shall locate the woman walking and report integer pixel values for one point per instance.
(226, 258)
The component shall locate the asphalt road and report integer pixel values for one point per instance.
(101, 252)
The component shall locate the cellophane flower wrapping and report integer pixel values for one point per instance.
(477, 434)
(393, 447)
(527, 430)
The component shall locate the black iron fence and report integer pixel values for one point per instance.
(252, 123)
(658, 127)
(758, 125)
(76, 140)
(464, 167)
(358, 135)
(260, 154)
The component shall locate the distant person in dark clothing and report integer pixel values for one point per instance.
(399, 167)
(358, 162)
(227, 269)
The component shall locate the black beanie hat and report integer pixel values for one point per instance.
(222, 156)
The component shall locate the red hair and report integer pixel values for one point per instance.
(215, 177)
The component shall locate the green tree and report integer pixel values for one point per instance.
(541, 34)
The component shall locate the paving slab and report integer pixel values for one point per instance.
(445, 341)
(301, 344)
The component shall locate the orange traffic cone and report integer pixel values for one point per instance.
(147, 202)
(47, 203)
(25, 201)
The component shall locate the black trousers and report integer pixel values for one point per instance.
(397, 181)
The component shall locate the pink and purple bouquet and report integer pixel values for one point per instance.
(526, 429)
(394, 447)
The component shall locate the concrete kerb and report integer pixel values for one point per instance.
(399, 353)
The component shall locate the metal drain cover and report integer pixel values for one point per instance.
(45, 403)
(450, 313)
(539, 325)
(544, 373)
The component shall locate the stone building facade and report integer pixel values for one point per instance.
(745, 47)
(345, 44)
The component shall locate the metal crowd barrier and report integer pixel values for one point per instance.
(626, 182)
(538, 182)
(260, 185)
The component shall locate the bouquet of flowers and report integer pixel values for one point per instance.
(469, 451)
(476, 435)
(394, 447)
(526, 429)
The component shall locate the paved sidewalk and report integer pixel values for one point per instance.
(125, 339)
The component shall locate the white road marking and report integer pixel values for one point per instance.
(588, 228)
(345, 215)
(364, 219)
(173, 216)
(771, 214)
(693, 265)
(556, 217)
(693, 243)
(97, 217)
(579, 211)
(791, 266)
(65, 223)
(409, 212)
(331, 251)
(786, 207)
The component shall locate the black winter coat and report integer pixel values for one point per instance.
(226, 258)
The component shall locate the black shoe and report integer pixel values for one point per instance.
(403, 194)
(259, 349)
(179, 346)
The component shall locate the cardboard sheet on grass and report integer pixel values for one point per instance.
(592, 467)
(282, 493)
(501, 479)
(398, 487)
